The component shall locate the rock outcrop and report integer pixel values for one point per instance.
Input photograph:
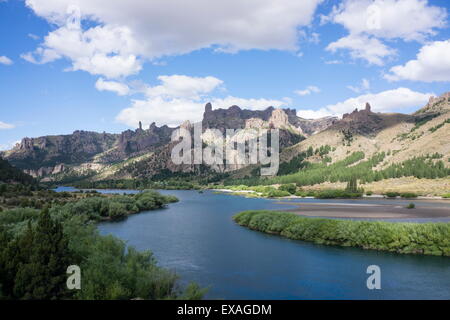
(236, 118)
(437, 104)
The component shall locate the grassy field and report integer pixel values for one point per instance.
(430, 187)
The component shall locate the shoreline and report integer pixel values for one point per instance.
(370, 211)
(364, 197)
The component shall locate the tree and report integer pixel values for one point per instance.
(352, 185)
(41, 261)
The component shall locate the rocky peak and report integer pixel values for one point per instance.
(437, 104)
(279, 119)
(366, 122)
(208, 107)
(186, 125)
(361, 115)
(237, 118)
(140, 140)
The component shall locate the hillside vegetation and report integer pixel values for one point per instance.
(37, 246)
(10, 174)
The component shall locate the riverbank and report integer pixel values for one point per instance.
(405, 238)
(372, 210)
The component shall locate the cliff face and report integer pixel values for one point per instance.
(231, 118)
(143, 140)
(52, 154)
(51, 151)
(236, 118)
(366, 122)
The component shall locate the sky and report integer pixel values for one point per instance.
(105, 65)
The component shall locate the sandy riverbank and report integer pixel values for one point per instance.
(372, 211)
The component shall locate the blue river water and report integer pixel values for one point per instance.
(197, 238)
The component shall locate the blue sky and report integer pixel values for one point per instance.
(121, 65)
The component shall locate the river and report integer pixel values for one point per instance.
(197, 238)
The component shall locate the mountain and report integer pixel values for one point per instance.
(424, 132)
(236, 118)
(146, 153)
(105, 155)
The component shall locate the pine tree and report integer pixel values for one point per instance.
(42, 275)
(352, 185)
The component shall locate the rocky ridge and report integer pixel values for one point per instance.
(85, 151)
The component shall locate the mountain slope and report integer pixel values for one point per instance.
(401, 136)
(10, 174)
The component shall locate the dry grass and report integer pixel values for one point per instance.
(425, 187)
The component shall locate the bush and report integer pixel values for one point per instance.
(277, 193)
(291, 188)
(369, 193)
(337, 193)
(300, 193)
(117, 210)
(408, 195)
(110, 269)
(392, 194)
(411, 206)
(446, 196)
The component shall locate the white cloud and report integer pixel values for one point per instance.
(333, 62)
(174, 111)
(120, 88)
(126, 33)
(313, 114)
(162, 111)
(365, 85)
(182, 86)
(368, 21)
(179, 98)
(5, 60)
(252, 104)
(431, 64)
(33, 36)
(4, 125)
(8, 146)
(309, 90)
(110, 51)
(362, 47)
(390, 19)
(385, 101)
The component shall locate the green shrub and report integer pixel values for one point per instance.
(411, 206)
(337, 193)
(35, 249)
(392, 194)
(408, 195)
(277, 193)
(117, 210)
(369, 193)
(291, 188)
(300, 193)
